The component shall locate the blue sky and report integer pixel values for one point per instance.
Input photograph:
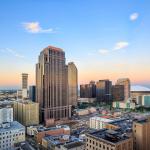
(105, 38)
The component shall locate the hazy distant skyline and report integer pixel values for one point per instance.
(106, 39)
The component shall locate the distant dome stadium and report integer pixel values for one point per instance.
(139, 88)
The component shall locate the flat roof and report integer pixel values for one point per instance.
(25, 101)
(125, 124)
(112, 136)
(73, 145)
(13, 126)
(61, 139)
(41, 129)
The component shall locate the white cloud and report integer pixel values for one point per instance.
(12, 52)
(34, 27)
(103, 51)
(121, 45)
(134, 16)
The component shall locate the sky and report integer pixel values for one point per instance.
(106, 39)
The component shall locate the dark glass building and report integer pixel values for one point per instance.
(103, 91)
(32, 93)
(117, 92)
(88, 90)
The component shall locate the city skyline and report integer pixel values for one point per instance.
(103, 43)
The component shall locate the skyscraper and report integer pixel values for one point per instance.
(103, 91)
(88, 90)
(117, 92)
(72, 83)
(32, 93)
(51, 85)
(24, 85)
(126, 83)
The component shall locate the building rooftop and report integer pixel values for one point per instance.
(73, 145)
(125, 124)
(60, 139)
(26, 101)
(6, 103)
(137, 88)
(24, 146)
(141, 120)
(112, 136)
(41, 129)
(53, 48)
(102, 119)
(11, 126)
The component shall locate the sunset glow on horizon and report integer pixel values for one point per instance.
(103, 43)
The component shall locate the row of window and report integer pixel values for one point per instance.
(101, 148)
(100, 145)
(11, 135)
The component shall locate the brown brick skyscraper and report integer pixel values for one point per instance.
(51, 85)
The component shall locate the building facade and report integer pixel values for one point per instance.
(72, 84)
(11, 134)
(88, 90)
(51, 85)
(6, 114)
(141, 134)
(117, 92)
(32, 92)
(103, 91)
(24, 85)
(26, 112)
(126, 83)
(99, 122)
(53, 131)
(139, 91)
(108, 140)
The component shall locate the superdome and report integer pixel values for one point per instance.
(139, 88)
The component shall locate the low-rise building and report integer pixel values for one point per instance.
(41, 132)
(62, 142)
(11, 134)
(105, 139)
(31, 130)
(124, 105)
(86, 100)
(99, 122)
(82, 112)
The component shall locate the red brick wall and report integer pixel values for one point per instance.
(40, 135)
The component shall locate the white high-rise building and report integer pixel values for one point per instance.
(6, 114)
